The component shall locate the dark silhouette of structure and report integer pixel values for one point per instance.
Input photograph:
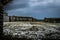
(21, 18)
(28, 18)
(52, 20)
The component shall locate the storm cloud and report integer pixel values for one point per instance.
(35, 8)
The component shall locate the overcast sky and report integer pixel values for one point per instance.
(36, 8)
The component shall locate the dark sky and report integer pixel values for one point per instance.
(36, 8)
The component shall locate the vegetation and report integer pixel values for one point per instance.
(2, 4)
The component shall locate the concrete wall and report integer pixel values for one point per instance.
(16, 18)
(52, 20)
(5, 18)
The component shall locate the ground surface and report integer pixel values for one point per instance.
(35, 30)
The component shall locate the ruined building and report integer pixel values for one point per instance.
(7, 18)
(21, 18)
(52, 20)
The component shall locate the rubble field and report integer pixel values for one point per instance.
(35, 30)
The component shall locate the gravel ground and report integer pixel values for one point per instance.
(35, 30)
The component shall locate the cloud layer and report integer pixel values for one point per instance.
(36, 8)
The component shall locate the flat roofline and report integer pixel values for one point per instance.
(52, 18)
(21, 16)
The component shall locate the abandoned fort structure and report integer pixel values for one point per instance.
(21, 18)
(52, 20)
(7, 18)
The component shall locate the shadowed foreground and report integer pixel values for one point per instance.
(31, 31)
(9, 37)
